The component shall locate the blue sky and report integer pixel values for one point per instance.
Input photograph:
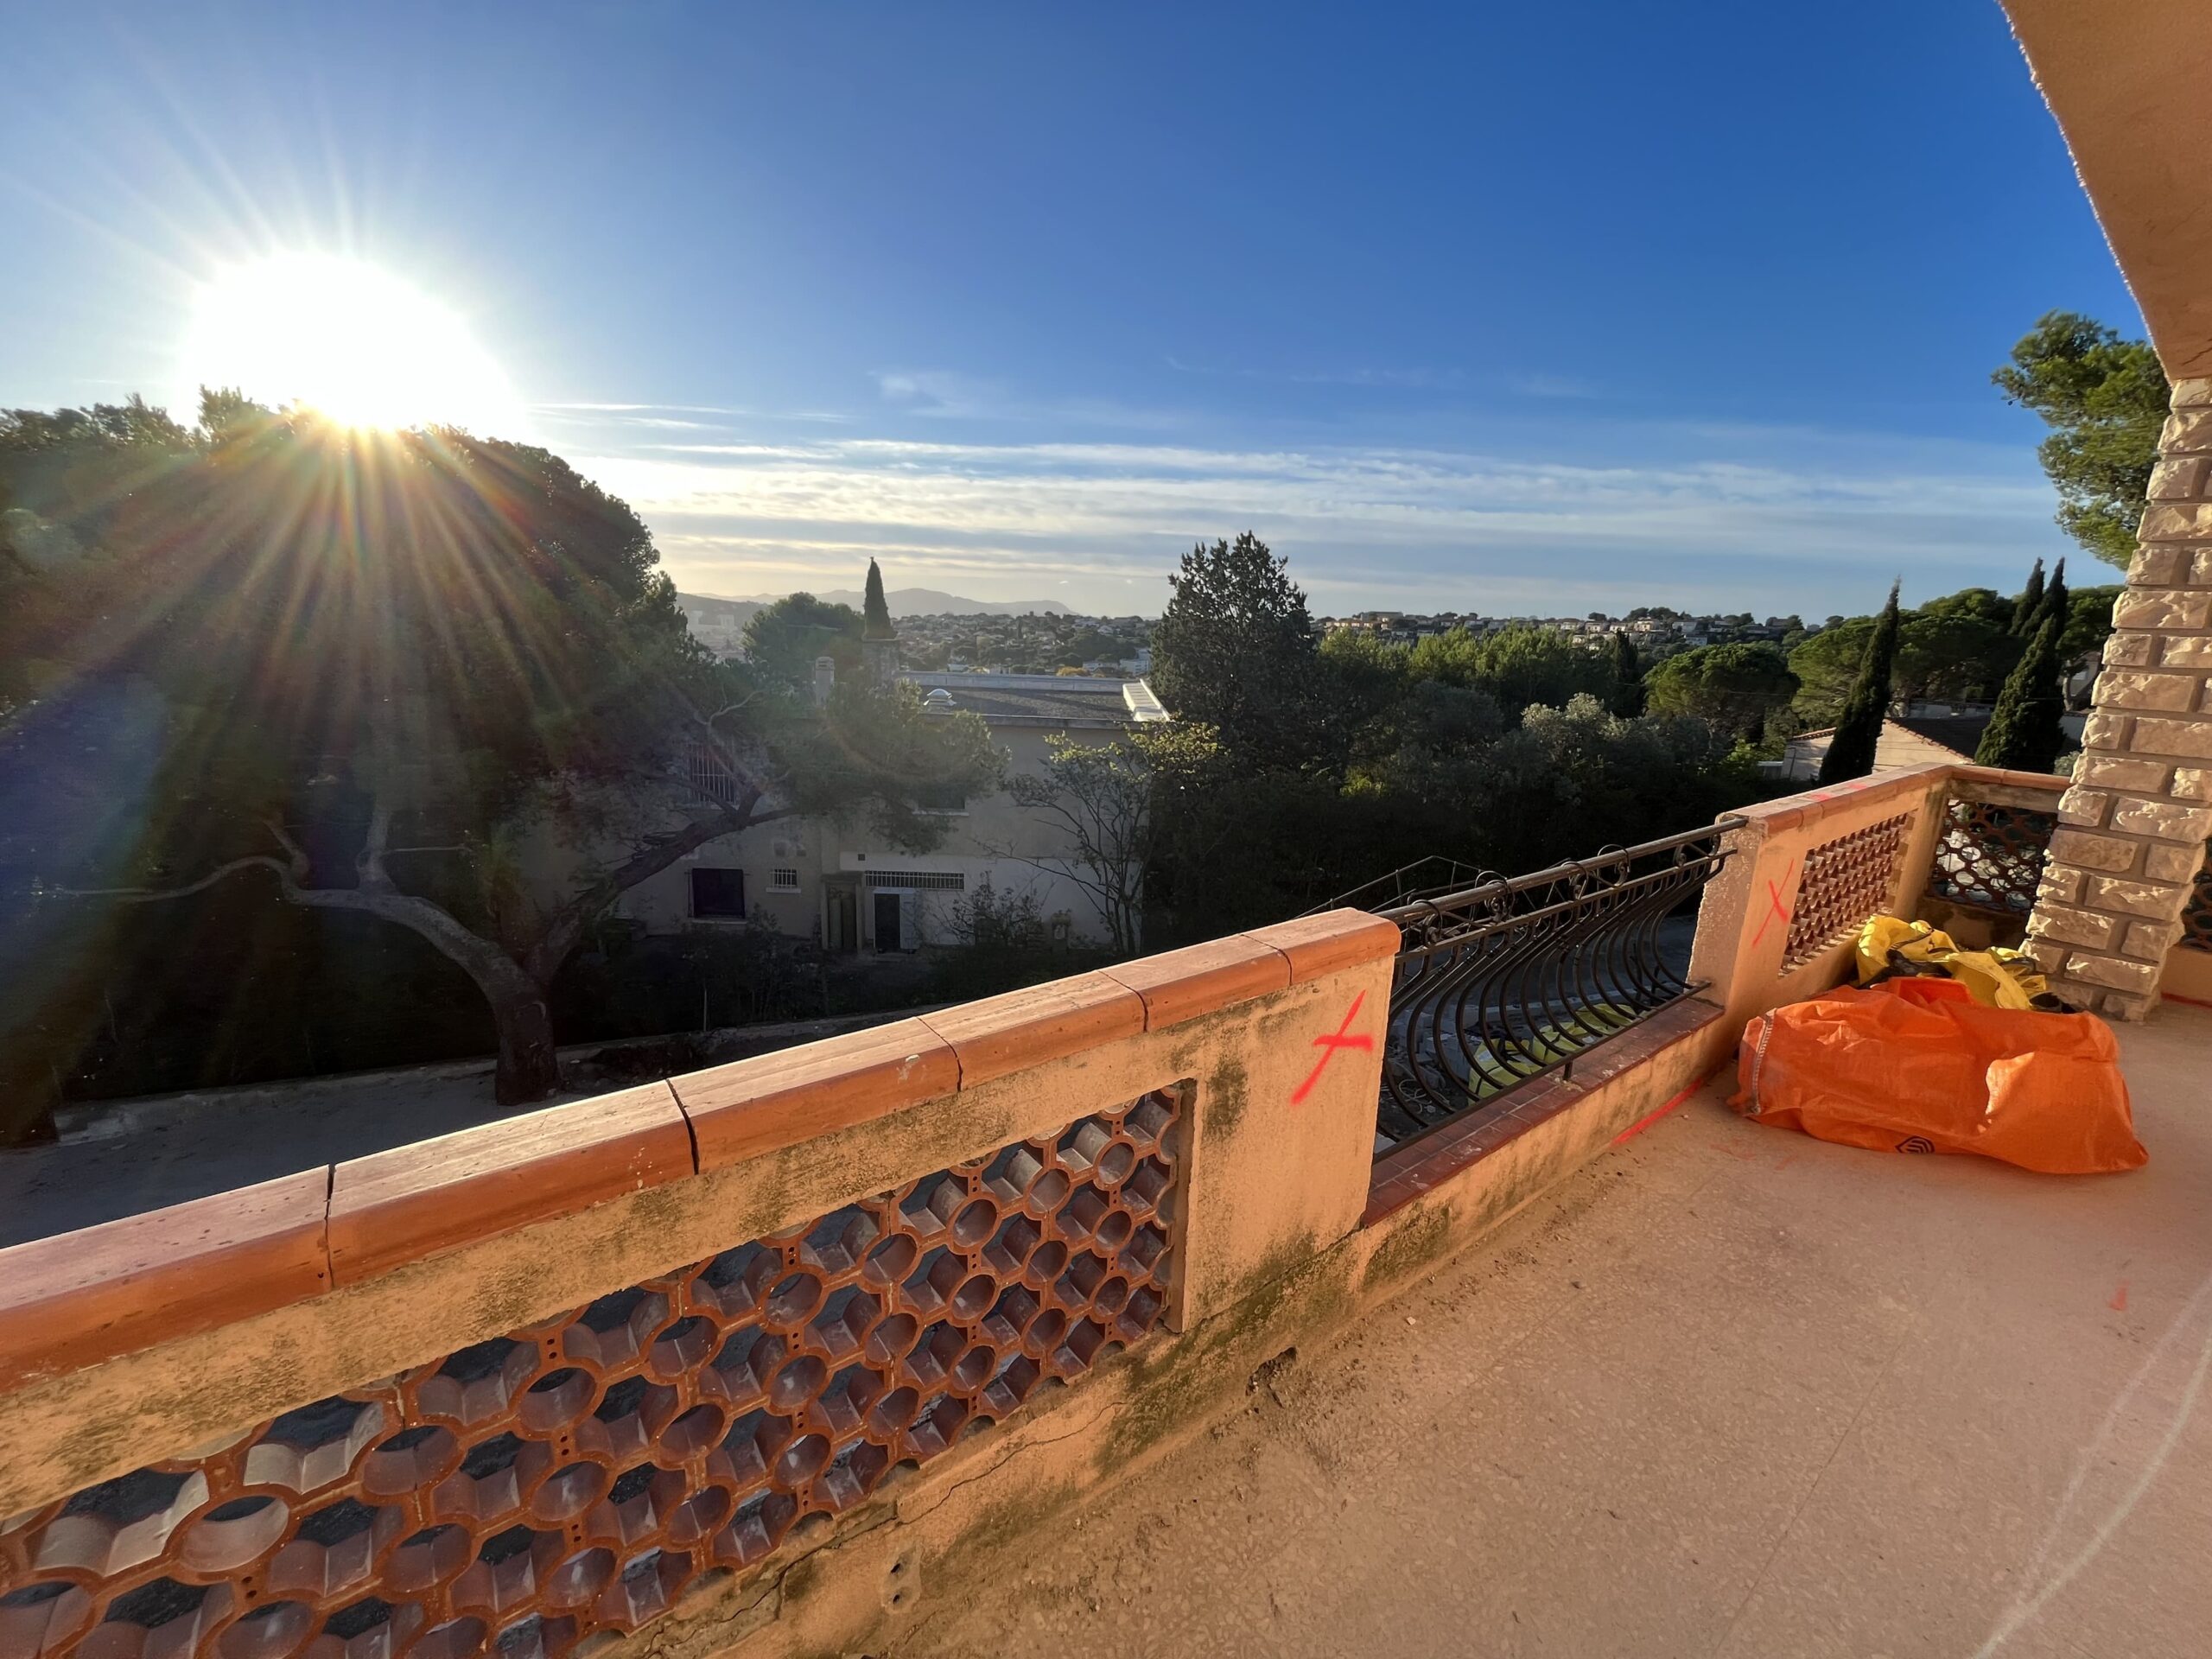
(1530, 309)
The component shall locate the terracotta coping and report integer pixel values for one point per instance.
(395, 1207)
(2043, 780)
(1179, 985)
(1331, 942)
(1790, 810)
(740, 1110)
(1008, 1034)
(77, 1298)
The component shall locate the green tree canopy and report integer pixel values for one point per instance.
(2088, 621)
(2105, 398)
(1958, 647)
(2024, 733)
(1520, 664)
(1851, 750)
(420, 676)
(875, 610)
(2057, 600)
(1629, 694)
(1235, 651)
(2030, 601)
(1735, 687)
(782, 639)
(1364, 682)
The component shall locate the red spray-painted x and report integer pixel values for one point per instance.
(1775, 909)
(1329, 1044)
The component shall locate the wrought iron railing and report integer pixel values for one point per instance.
(1424, 876)
(1505, 980)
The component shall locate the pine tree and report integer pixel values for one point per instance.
(1851, 751)
(2024, 733)
(1628, 678)
(1235, 650)
(2028, 603)
(875, 610)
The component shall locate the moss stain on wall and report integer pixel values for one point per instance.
(1228, 1092)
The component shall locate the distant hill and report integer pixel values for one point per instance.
(904, 601)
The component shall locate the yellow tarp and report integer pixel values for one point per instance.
(1999, 978)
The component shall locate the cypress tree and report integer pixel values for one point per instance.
(2056, 603)
(875, 610)
(1628, 678)
(2024, 733)
(2025, 608)
(1851, 751)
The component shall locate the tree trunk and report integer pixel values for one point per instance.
(528, 1069)
(515, 991)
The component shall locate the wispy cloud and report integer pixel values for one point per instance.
(679, 408)
(1554, 386)
(949, 394)
(674, 417)
(1413, 379)
(1103, 523)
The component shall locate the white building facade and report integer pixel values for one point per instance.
(830, 879)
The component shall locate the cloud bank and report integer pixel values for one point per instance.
(1821, 525)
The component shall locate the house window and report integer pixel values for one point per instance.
(940, 797)
(784, 880)
(718, 895)
(932, 880)
(708, 776)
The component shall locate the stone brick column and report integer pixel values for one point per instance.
(2134, 824)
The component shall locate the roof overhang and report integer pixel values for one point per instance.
(2130, 84)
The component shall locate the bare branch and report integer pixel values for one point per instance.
(156, 895)
(708, 720)
(369, 864)
(658, 852)
(293, 850)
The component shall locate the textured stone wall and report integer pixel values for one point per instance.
(2134, 826)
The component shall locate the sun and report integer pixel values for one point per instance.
(347, 339)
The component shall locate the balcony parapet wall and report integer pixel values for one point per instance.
(970, 1206)
(1776, 925)
(625, 1362)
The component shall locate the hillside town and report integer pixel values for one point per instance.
(981, 642)
(1656, 630)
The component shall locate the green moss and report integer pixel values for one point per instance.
(802, 1578)
(1002, 1524)
(1228, 1092)
(507, 1295)
(1409, 1246)
(1291, 1292)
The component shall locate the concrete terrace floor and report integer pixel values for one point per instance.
(1729, 1391)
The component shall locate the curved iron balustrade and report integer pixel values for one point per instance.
(1505, 980)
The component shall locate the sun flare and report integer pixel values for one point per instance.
(348, 339)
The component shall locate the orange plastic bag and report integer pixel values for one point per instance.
(1917, 1065)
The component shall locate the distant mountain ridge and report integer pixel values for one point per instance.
(904, 601)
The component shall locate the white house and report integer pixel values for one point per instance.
(818, 877)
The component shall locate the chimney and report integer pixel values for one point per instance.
(825, 679)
